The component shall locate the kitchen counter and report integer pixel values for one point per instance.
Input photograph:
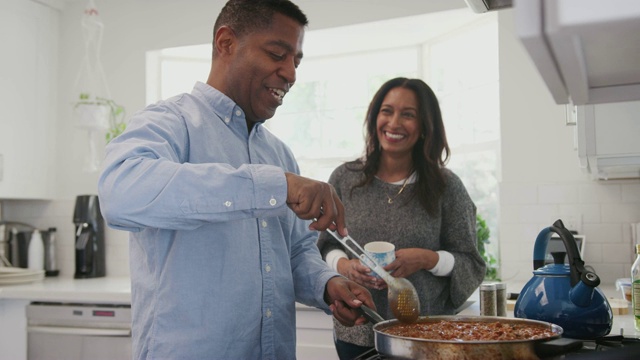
(111, 290)
(621, 323)
(117, 290)
(105, 290)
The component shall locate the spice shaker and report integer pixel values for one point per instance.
(488, 299)
(50, 264)
(501, 299)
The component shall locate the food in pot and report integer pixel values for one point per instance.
(471, 331)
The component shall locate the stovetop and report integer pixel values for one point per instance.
(612, 347)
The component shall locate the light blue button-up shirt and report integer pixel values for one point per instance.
(217, 258)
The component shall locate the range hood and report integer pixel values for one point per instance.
(482, 6)
(587, 51)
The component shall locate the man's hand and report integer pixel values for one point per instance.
(312, 199)
(344, 298)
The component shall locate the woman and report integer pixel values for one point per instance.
(401, 192)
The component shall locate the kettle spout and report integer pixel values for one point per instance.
(582, 293)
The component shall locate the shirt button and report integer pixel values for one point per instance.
(268, 313)
(238, 112)
(227, 119)
(227, 203)
(273, 202)
(264, 223)
(268, 268)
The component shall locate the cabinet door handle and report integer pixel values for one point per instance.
(78, 331)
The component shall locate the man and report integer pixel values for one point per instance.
(219, 248)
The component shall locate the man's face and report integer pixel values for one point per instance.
(263, 67)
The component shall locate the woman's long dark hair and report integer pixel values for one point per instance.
(430, 153)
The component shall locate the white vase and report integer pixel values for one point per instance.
(92, 116)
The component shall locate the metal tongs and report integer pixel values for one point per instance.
(403, 297)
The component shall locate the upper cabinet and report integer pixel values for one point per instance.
(607, 139)
(587, 51)
(28, 84)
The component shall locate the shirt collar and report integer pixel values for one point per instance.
(226, 109)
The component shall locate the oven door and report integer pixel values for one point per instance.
(76, 332)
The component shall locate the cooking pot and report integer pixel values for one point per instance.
(402, 347)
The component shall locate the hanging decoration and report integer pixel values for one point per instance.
(94, 110)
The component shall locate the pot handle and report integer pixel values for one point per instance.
(371, 314)
(554, 347)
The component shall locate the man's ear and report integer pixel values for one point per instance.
(225, 40)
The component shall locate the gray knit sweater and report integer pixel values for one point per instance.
(405, 223)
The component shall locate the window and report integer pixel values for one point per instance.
(456, 52)
(322, 117)
(463, 69)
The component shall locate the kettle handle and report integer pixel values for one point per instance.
(576, 265)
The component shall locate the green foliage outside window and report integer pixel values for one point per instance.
(483, 240)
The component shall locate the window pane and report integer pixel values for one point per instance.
(464, 70)
(322, 117)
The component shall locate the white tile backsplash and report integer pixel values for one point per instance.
(59, 214)
(600, 192)
(557, 194)
(631, 193)
(592, 253)
(518, 194)
(603, 233)
(615, 253)
(526, 213)
(621, 212)
(605, 211)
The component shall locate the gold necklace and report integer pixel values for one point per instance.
(404, 183)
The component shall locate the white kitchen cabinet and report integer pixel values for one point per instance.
(608, 139)
(586, 51)
(13, 329)
(314, 328)
(314, 334)
(28, 87)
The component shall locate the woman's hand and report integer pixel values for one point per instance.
(354, 270)
(411, 260)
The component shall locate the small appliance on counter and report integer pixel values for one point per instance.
(15, 257)
(17, 238)
(90, 250)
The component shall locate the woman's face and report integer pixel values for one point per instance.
(398, 126)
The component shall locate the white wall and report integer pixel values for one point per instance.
(541, 180)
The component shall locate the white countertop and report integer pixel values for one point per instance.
(111, 290)
(621, 323)
(117, 290)
(104, 290)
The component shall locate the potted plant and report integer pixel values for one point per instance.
(482, 232)
(97, 113)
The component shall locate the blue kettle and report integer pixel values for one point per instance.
(566, 295)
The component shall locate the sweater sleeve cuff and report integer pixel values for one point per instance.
(333, 256)
(444, 267)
